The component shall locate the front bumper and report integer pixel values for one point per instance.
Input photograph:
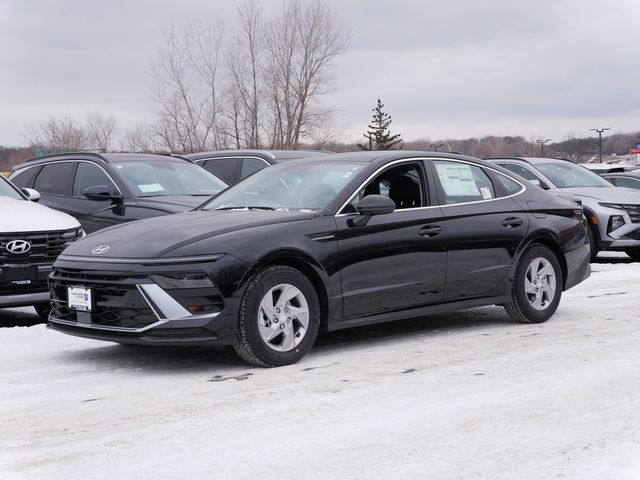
(23, 294)
(129, 306)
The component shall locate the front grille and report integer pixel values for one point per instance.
(116, 300)
(632, 210)
(45, 247)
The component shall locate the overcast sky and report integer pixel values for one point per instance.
(443, 69)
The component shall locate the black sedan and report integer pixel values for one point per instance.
(235, 165)
(330, 243)
(102, 190)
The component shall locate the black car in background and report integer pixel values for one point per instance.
(235, 165)
(105, 189)
(328, 243)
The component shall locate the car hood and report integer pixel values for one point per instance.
(159, 236)
(25, 216)
(606, 194)
(172, 203)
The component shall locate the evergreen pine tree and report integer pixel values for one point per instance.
(378, 136)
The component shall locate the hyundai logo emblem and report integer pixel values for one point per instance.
(100, 249)
(18, 246)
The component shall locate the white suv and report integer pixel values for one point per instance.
(31, 237)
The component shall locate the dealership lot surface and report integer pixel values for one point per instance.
(462, 395)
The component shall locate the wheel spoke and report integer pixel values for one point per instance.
(528, 286)
(270, 332)
(289, 340)
(287, 293)
(550, 289)
(301, 314)
(537, 301)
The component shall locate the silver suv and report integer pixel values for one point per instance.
(31, 237)
(612, 213)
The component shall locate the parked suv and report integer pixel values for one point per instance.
(612, 213)
(235, 165)
(101, 190)
(31, 237)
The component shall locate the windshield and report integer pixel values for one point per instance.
(304, 185)
(6, 190)
(570, 175)
(150, 178)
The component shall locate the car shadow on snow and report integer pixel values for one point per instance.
(197, 359)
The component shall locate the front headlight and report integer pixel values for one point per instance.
(71, 236)
(615, 222)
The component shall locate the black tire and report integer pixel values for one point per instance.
(43, 311)
(521, 308)
(634, 253)
(593, 242)
(251, 345)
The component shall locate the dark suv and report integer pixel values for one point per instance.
(101, 190)
(235, 165)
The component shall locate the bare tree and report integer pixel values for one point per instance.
(246, 71)
(100, 130)
(139, 139)
(58, 134)
(186, 88)
(302, 42)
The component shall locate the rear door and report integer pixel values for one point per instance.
(53, 182)
(484, 226)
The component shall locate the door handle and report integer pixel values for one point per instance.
(430, 231)
(512, 222)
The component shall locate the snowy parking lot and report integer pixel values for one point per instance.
(463, 395)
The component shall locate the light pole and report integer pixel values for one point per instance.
(436, 146)
(542, 142)
(599, 130)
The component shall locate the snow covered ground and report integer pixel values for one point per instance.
(464, 395)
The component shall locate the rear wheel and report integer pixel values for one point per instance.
(537, 286)
(279, 318)
(43, 311)
(634, 253)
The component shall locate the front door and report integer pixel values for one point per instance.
(396, 261)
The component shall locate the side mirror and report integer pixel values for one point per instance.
(100, 192)
(31, 194)
(539, 183)
(372, 205)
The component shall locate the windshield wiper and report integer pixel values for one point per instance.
(248, 207)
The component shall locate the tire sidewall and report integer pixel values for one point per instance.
(258, 288)
(519, 293)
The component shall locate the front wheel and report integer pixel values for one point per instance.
(537, 286)
(634, 253)
(279, 318)
(593, 242)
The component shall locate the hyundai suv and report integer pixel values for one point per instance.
(102, 190)
(31, 237)
(612, 213)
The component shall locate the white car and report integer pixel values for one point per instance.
(31, 238)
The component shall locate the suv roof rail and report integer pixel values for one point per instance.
(52, 155)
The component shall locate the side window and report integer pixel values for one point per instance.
(89, 175)
(402, 184)
(520, 170)
(462, 182)
(510, 186)
(54, 178)
(251, 166)
(225, 168)
(626, 182)
(25, 177)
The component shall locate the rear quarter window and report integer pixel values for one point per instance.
(24, 177)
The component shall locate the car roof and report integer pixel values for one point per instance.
(266, 154)
(531, 160)
(100, 157)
